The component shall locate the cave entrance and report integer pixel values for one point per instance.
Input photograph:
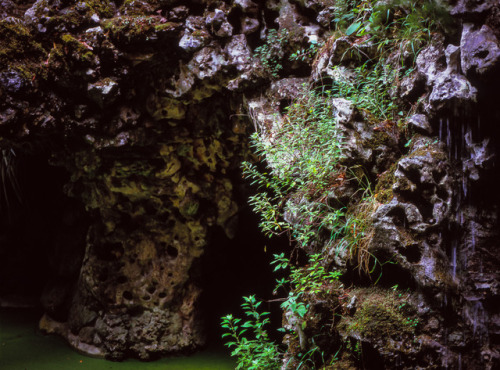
(233, 268)
(42, 232)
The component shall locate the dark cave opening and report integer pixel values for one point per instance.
(41, 233)
(238, 267)
(42, 244)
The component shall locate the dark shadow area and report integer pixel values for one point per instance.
(41, 248)
(233, 268)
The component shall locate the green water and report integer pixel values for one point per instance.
(23, 347)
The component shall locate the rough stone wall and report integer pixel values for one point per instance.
(436, 222)
(141, 104)
(135, 101)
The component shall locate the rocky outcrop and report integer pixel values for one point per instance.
(144, 105)
(135, 103)
(425, 228)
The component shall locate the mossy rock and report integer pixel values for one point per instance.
(77, 49)
(139, 7)
(379, 139)
(103, 8)
(17, 46)
(61, 18)
(130, 29)
(381, 314)
(383, 189)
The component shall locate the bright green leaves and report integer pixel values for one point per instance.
(249, 340)
(353, 28)
(302, 156)
(369, 88)
(272, 52)
(311, 279)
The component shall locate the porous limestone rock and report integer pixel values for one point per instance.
(480, 52)
(141, 106)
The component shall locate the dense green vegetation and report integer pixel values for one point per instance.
(304, 161)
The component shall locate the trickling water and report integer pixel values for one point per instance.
(473, 236)
(461, 234)
(454, 258)
(478, 320)
(448, 137)
(464, 185)
(446, 348)
(463, 151)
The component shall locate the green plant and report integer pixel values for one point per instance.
(302, 283)
(303, 157)
(272, 51)
(406, 25)
(368, 88)
(250, 340)
(313, 279)
(345, 12)
(309, 358)
(395, 25)
(359, 233)
(307, 54)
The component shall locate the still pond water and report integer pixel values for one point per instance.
(22, 347)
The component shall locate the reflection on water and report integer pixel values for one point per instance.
(23, 347)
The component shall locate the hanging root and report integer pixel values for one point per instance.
(10, 190)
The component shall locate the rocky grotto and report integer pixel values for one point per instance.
(123, 127)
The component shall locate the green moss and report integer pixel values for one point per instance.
(138, 7)
(74, 16)
(167, 26)
(384, 315)
(383, 189)
(132, 29)
(70, 20)
(79, 50)
(380, 138)
(134, 169)
(102, 8)
(433, 150)
(56, 60)
(16, 45)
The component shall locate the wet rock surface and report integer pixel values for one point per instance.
(134, 102)
(142, 105)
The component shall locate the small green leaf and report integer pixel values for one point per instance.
(353, 28)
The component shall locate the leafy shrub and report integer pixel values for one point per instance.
(272, 51)
(311, 279)
(307, 54)
(368, 88)
(406, 24)
(250, 340)
(303, 156)
(394, 25)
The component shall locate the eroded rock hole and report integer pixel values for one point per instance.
(412, 253)
(172, 251)
(151, 289)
